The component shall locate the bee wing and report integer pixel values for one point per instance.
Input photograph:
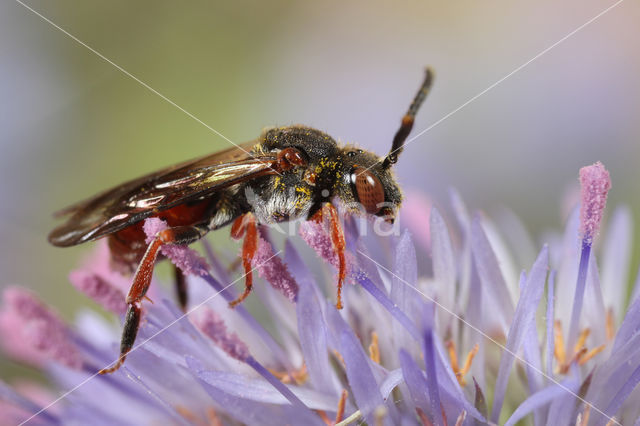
(126, 204)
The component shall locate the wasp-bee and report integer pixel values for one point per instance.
(290, 172)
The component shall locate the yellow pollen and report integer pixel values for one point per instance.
(593, 352)
(467, 362)
(451, 348)
(460, 372)
(324, 417)
(611, 421)
(610, 325)
(339, 356)
(374, 349)
(580, 354)
(213, 418)
(582, 339)
(558, 347)
(341, 404)
(298, 376)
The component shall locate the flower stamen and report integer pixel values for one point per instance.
(341, 405)
(423, 417)
(581, 355)
(298, 376)
(582, 339)
(460, 372)
(374, 348)
(610, 327)
(593, 352)
(558, 347)
(213, 418)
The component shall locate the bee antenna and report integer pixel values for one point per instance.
(407, 120)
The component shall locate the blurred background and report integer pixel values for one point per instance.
(72, 124)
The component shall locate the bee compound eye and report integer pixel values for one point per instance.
(368, 189)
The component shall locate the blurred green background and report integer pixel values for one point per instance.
(72, 124)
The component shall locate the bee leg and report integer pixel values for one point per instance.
(329, 212)
(142, 279)
(181, 288)
(245, 226)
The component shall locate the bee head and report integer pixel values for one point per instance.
(368, 181)
(366, 186)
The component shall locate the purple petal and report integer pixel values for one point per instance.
(241, 386)
(623, 393)
(562, 409)
(616, 255)
(360, 376)
(384, 300)
(449, 385)
(402, 295)
(312, 328)
(490, 274)
(578, 297)
(629, 327)
(475, 315)
(532, 359)
(517, 236)
(305, 414)
(444, 268)
(244, 410)
(540, 399)
(389, 384)
(523, 318)
(430, 367)
(594, 311)
(550, 320)
(415, 382)
(361, 379)
(636, 286)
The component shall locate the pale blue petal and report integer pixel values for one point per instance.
(524, 316)
(550, 336)
(384, 300)
(563, 406)
(629, 327)
(539, 400)
(312, 329)
(616, 256)
(430, 365)
(493, 282)
(444, 270)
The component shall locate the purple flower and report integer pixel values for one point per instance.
(409, 347)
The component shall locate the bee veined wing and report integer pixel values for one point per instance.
(133, 201)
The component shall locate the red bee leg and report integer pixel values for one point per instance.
(337, 239)
(246, 226)
(181, 288)
(142, 279)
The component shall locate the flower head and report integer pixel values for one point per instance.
(407, 347)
